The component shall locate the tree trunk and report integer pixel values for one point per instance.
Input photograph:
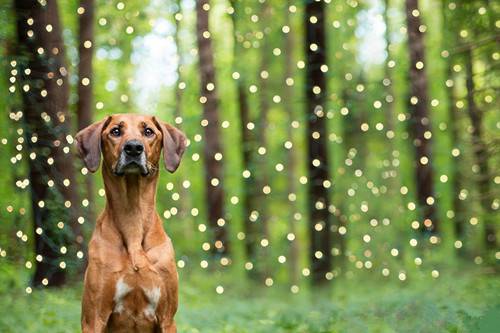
(261, 160)
(44, 81)
(249, 199)
(184, 203)
(481, 155)
(459, 221)
(291, 154)
(85, 81)
(213, 168)
(248, 196)
(317, 162)
(389, 107)
(420, 122)
(178, 91)
(393, 179)
(355, 141)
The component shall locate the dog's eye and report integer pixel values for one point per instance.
(148, 132)
(116, 131)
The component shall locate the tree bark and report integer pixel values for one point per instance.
(481, 155)
(184, 203)
(85, 82)
(213, 168)
(248, 195)
(261, 164)
(317, 162)
(389, 108)
(291, 154)
(263, 115)
(178, 91)
(458, 220)
(45, 90)
(420, 121)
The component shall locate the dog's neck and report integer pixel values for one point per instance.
(130, 205)
(130, 194)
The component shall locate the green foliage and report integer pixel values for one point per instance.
(372, 172)
(454, 303)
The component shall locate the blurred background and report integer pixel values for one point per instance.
(342, 172)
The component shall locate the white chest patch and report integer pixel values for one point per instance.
(153, 296)
(122, 289)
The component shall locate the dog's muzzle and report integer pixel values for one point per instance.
(132, 159)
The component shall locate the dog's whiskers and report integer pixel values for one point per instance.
(151, 167)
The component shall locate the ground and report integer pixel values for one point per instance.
(458, 302)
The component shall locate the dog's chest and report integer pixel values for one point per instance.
(137, 296)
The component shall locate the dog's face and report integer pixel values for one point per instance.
(131, 144)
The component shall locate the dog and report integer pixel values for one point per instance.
(131, 281)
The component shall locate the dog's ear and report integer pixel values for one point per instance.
(88, 144)
(174, 144)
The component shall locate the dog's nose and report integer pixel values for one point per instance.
(133, 148)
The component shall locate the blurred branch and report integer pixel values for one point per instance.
(474, 45)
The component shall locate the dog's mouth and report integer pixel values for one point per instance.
(131, 166)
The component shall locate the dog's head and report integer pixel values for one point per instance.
(131, 144)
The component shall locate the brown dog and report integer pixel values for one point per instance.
(131, 280)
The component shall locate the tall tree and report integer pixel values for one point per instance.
(261, 160)
(178, 90)
(291, 154)
(263, 116)
(479, 148)
(317, 162)
(449, 42)
(85, 82)
(184, 203)
(420, 121)
(388, 72)
(45, 89)
(459, 221)
(213, 167)
(249, 198)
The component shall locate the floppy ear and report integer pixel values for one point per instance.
(88, 143)
(174, 144)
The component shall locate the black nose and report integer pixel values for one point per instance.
(133, 148)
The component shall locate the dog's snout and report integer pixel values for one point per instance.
(132, 159)
(133, 148)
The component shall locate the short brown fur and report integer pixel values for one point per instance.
(128, 241)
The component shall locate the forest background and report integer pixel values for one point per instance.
(342, 168)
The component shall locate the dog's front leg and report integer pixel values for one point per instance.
(94, 319)
(132, 231)
(97, 302)
(94, 325)
(168, 327)
(168, 308)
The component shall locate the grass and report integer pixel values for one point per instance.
(459, 302)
